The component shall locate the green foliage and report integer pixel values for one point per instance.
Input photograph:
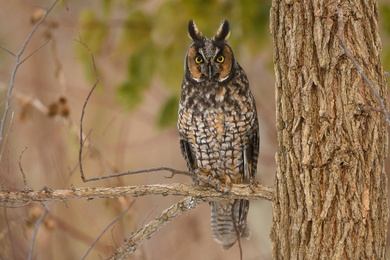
(107, 6)
(385, 17)
(168, 114)
(94, 30)
(152, 37)
(385, 26)
(94, 33)
(140, 69)
(136, 32)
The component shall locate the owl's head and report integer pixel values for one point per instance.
(209, 59)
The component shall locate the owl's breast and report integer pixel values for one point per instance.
(217, 139)
(217, 120)
(215, 97)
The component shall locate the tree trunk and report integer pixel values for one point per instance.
(330, 198)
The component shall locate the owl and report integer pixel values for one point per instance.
(218, 127)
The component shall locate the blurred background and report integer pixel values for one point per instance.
(139, 49)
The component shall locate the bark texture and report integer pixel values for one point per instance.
(330, 198)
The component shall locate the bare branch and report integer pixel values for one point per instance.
(106, 228)
(153, 226)
(9, 233)
(36, 228)
(6, 136)
(16, 66)
(149, 170)
(6, 50)
(85, 237)
(35, 51)
(21, 168)
(82, 140)
(238, 191)
(340, 35)
(195, 196)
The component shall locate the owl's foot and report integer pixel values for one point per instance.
(221, 184)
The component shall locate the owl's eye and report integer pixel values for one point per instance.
(198, 59)
(220, 59)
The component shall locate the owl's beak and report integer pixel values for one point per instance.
(210, 70)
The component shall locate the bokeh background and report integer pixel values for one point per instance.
(139, 48)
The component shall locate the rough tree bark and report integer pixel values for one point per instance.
(330, 197)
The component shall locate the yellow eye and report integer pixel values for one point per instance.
(198, 59)
(220, 59)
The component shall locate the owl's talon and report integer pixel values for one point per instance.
(195, 180)
(217, 185)
(227, 189)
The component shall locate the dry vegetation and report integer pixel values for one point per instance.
(41, 146)
(39, 156)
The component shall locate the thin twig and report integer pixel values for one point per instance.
(6, 50)
(373, 90)
(21, 169)
(106, 228)
(82, 141)
(11, 240)
(149, 170)
(36, 50)
(84, 237)
(36, 228)
(16, 66)
(7, 136)
(238, 191)
(14, 205)
(153, 226)
(340, 36)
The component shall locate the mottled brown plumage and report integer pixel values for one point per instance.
(218, 127)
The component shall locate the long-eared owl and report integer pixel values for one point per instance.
(218, 127)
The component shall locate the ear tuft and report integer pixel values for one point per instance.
(193, 31)
(223, 32)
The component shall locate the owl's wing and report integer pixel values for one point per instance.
(188, 154)
(251, 154)
(255, 142)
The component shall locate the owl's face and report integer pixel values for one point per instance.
(209, 59)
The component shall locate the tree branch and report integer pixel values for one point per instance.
(36, 228)
(106, 228)
(238, 191)
(83, 140)
(340, 35)
(17, 63)
(155, 225)
(195, 195)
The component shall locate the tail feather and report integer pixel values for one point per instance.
(228, 221)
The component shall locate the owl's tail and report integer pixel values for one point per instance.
(228, 221)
